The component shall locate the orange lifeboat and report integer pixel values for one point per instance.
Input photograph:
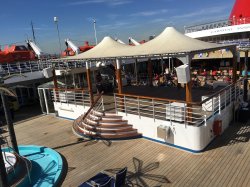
(16, 53)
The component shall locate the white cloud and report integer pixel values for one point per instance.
(202, 12)
(109, 2)
(150, 13)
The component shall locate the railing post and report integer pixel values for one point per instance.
(225, 98)
(125, 106)
(219, 104)
(205, 119)
(8, 69)
(30, 67)
(82, 98)
(20, 70)
(139, 107)
(230, 94)
(171, 113)
(185, 110)
(213, 106)
(153, 109)
(74, 92)
(115, 103)
(235, 92)
(102, 104)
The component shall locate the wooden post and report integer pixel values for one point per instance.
(245, 76)
(189, 93)
(89, 84)
(119, 81)
(150, 72)
(118, 76)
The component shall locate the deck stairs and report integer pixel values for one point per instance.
(100, 124)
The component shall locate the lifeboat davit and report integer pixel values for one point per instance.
(84, 48)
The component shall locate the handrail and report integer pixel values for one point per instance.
(148, 97)
(66, 89)
(219, 92)
(181, 101)
(92, 106)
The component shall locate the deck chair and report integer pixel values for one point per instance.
(99, 180)
(120, 178)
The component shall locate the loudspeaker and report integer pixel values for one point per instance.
(183, 73)
(47, 72)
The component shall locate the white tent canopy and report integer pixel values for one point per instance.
(169, 43)
(106, 49)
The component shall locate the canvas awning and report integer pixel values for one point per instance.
(169, 43)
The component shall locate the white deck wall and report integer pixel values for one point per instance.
(70, 111)
(188, 137)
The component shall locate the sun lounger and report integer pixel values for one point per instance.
(104, 180)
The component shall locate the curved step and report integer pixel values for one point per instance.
(111, 117)
(121, 122)
(113, 121)
(92, 116)
(109, 129)
(112, 125)
(92, 122)
(97, 113)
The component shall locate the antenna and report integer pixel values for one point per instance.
(33, 32)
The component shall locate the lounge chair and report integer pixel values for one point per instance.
(120, 178)
(99, 180)
(104, 180)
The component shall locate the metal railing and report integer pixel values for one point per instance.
(178, 111)
(32, 66)
(217, 24)
(71, 96)
(78, 128)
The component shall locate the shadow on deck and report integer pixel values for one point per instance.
(238, 133)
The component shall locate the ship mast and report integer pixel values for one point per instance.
(33, 32)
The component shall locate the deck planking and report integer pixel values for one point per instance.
(224, 163)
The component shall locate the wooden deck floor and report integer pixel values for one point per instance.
(225, 163)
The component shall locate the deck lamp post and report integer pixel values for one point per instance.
(94, 21)
(58, 33)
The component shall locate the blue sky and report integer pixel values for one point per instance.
(116, 18)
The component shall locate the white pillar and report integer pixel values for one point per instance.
(46, 101)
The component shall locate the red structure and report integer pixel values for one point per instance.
(241, 12)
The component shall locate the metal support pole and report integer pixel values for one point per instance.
(3, 175)
(9, 122)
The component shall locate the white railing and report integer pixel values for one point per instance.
(217, 24)
(71, 96)
(178, 111)
(32, 66)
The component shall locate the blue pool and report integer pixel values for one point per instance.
(47, 166)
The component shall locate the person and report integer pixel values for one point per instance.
(98, 79)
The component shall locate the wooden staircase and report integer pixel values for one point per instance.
(104, 125)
